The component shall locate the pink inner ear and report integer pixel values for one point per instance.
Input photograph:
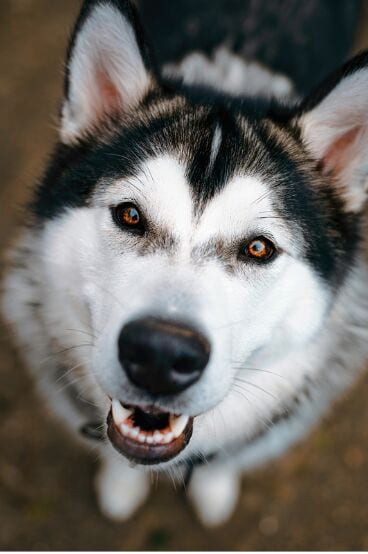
(109, 99)
(340, 154)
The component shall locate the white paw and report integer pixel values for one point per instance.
(214, 492)
(121, 490)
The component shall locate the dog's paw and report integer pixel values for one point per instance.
(214, 492)
(120, 490)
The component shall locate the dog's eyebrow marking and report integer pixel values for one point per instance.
(158, 239)
(218, 249)
(215, 146)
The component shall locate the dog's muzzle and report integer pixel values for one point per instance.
(163, 358)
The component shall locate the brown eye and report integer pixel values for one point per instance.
(128, 217)
(259, 249)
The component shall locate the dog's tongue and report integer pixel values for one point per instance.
(149, 435)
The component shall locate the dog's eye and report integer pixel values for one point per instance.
(128, 216)
(259, 249)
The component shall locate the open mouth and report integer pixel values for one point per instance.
(147, 435)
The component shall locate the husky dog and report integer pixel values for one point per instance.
(194, 272)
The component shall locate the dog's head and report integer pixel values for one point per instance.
(199, 238)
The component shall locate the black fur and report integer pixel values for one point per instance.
(304, 40)
(360, 61)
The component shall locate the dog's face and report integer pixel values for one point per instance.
(197, 238)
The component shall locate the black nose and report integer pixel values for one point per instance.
(162, 357)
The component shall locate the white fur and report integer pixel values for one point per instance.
(215, 146)
(214, 493)
(121, 490)
(228, 72)
(343, 110)
(106, 48)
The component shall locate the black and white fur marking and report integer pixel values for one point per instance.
(215, 149)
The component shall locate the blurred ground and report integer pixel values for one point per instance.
(314, 498)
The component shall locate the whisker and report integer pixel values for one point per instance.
(240, 391)
(86, 400)
(261, 370)
(55, 354)
(81, 331)
(267, 422)
(172, 477)
(72, 348)
(256, 387)
(74, 381)
(67, 372)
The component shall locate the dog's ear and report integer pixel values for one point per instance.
(107, 67)
(334, 127)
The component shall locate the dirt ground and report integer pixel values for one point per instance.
(313, 498)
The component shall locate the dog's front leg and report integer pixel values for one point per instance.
(120, 489)
(214, 491)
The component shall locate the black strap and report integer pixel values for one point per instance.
(194, 462)
(188, 474)
(93, 430)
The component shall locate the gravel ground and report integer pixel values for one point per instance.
(313, 498)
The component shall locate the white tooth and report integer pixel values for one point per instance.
(119, 413)
(142, 438)
(168, 437)
(149, 439)
(125, 429)
(157, 437)
(134, 432)
(178, 424)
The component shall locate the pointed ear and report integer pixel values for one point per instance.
(334, 126)
(107, 67)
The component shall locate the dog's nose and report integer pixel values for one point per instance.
(162, 357)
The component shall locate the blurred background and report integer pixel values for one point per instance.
(314, 498)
